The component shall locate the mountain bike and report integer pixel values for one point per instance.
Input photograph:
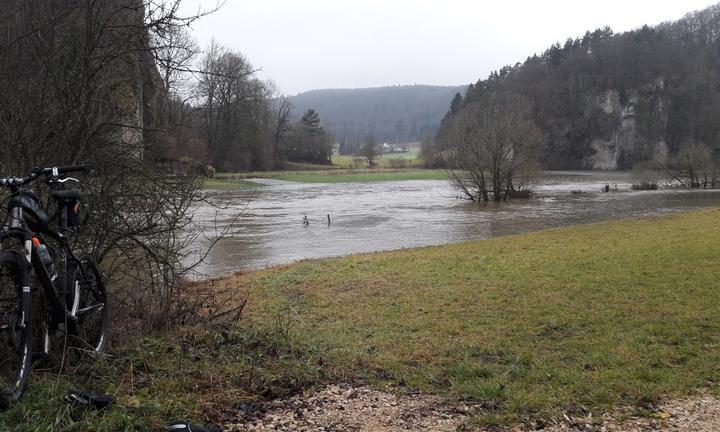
(74, 289)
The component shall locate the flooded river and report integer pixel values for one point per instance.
(368, 217)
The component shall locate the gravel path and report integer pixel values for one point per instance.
(349, 408)
(352, 408)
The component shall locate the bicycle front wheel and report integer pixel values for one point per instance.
(15, 329)
(89, 306)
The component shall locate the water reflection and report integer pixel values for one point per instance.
(367, 217)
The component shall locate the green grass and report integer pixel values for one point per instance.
(385, 161)
(303, 166)
(617, 313)
(228, 184)
(188, 374)
(343, 169)
(343, 175)
(599, 316)
(355, 176)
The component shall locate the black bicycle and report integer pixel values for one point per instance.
(75, 295)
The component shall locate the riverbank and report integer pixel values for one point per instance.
(592, 318)
(344, 169)
(228, 184)
(340, 175)
(240, 181)
(600, 315)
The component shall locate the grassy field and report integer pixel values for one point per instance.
(344, 169)
(386, 161)
(589, 317)
(617, 313)
(228, 184)
(196, 373)
(342, 175)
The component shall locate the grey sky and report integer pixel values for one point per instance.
(304, 45)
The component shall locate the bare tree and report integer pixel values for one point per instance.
(369, 150)
(695, 166)
(282, 127)
(227, 92)
(175, 51)
(494, 145)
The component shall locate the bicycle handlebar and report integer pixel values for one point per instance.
(37, 172)
(71, 168)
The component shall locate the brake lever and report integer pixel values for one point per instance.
(66, 179)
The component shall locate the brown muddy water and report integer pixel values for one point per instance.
(369, 217)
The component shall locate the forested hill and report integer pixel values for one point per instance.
(616, 101)
(393, 114)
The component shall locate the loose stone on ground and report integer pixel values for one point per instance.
(348, 408)
(362, 409)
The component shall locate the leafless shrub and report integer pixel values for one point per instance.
(695, 166)
(398, 163)
(644, 185)
(80, 85)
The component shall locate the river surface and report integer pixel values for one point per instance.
(368, 217)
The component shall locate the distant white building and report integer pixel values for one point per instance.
(387, 148)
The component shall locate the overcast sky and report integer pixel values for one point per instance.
(305, 45)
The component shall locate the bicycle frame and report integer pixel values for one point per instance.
(57, 290)
(75, 292)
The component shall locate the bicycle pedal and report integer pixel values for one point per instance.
(97, 401)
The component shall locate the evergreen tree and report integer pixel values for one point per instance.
(456, 103)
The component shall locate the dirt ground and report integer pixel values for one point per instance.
(353, 408)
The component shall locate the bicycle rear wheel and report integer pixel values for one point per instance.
(15, 329)
(89, 306)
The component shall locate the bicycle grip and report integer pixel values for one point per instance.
(71, 168)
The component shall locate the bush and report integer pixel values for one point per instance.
(398, 163)
(645, 185)
(78, 100)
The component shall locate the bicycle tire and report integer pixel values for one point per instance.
(90, 305)
(15, 328)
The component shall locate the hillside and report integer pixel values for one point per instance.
(617, 101)
(392, 114)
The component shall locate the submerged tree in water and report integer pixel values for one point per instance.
(493, 148)
(696, 166)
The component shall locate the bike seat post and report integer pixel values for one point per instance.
(62, 217)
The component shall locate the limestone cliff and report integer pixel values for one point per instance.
(140, 98)
(636, 133)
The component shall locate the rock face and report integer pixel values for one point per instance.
(140, 98)
(640, 118)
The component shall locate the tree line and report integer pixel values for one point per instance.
(224, 116)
